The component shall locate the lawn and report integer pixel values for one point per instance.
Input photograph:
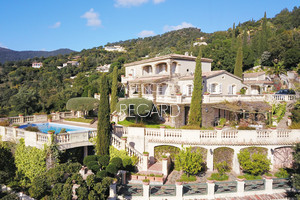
(144, 124)
(79, 120)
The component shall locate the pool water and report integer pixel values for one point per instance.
(45, 127)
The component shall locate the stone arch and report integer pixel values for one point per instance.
(223, 154)
(165, 149)
(283, 157)
(147, 70)
(203, 151)
(173, 68)
(161, 67)
(252, 150)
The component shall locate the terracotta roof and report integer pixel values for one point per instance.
(211, 74)
(259, 82)
(252, 75)
(150, 79)
(170, 56)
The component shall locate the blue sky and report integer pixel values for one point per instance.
(78, 24)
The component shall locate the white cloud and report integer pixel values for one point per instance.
(158, 1)
(56, 25)
(180, 26)
(92, 18)
(3, 46)
(146, 33)
(129, 3)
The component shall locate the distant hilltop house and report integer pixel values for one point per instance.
(115, 48)
(37, 65)
(76, 57)
(73, 63)
(199, 43)
(104, 68)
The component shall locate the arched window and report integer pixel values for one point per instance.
(147, 70)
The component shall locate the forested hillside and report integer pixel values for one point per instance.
(11, 55)
(266, 41)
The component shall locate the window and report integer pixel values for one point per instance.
(160, 88)
(214, 88)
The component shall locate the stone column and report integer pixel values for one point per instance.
(269, 186)
(146, 191)
(123, 143)
(271, 157)
(210, 159)
(235, 161)
(85, 151)
(165, 166)
(145, 162)
(210, 190)
(179, 191)
(21, 119)
(113, 191)
(240, 187)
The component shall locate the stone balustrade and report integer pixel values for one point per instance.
(26, 119)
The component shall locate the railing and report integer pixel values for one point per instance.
(133, 152)
(20, 133)
(28, 119)
(14, 120)
(130, 190)
(194, 189)
(229, 136)
(225, 187)
(116, 141)
(42, 137)
(162, 190)
(281, 183)
(254, 185)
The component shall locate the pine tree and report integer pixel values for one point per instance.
(114, 90)
(238, 68)
(103, 132)
(195, 116)
(264, 35)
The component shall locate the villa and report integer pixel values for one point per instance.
(168, 82)
(72, 63)
(37, 65)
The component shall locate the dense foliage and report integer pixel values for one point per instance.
(104, 127)
(195, 116)
(255, 163)
(296, 175)
(83, 104)
(114, 90)
(189, 160)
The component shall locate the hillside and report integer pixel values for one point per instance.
(11, 55)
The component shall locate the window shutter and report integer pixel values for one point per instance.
(220, 88)
(230, 89)
(209, 87)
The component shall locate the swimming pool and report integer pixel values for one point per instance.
(45, 127)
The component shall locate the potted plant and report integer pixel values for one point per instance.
(178, 93)
(164, 157)
(51, 131)
(21, 114)
(162, 127)
(129, 74)
(15, 125)
(210, 180)
(178, 182)
(124, 138)
(238, 93)
(159, 177)
(219, 127)
(134, 176)
(206, 93)
(141, 176)
(151, 177)
(272, 127)
(268, 175)
(145, 153)
(146, 181)
(240, 178)
(49, 118)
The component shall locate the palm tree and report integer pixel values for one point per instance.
(277, 70)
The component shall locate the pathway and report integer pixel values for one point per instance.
(283, 122)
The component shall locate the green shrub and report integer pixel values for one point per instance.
(185, 178)
(77, 178)
(73, 167)
(245, 128)
(222, 167)
(63, 130)
(32, 129)
(282, 173)
(127, 164)
(4, 123)
(222, 121)
(117, 162)
(255, 164)
(251, 177)
(92, 163)
(82, 103)
(111, 169)
(137, 125)
(95, 168)
(101, 174)
(103, 161)
(159, 151)
(218, 177)
(222, 154)
(87, 159)
(243, 91)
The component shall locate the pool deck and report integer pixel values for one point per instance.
(94, 125)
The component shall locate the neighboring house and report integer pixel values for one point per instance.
(199, 43)
(115, 48)
(37, 65)
(104, 68)
(168, 81)
(73, 63)
(257, 83)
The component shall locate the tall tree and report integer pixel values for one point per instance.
(195, 116)
(114, 90)
(238, 67)
(233, 37)
(103, 131)
(264, 35)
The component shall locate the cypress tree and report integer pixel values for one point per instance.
(103, 131)
(114, 90)
(233, 37)
(264, 35)
(238, 68)
(195, 116)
